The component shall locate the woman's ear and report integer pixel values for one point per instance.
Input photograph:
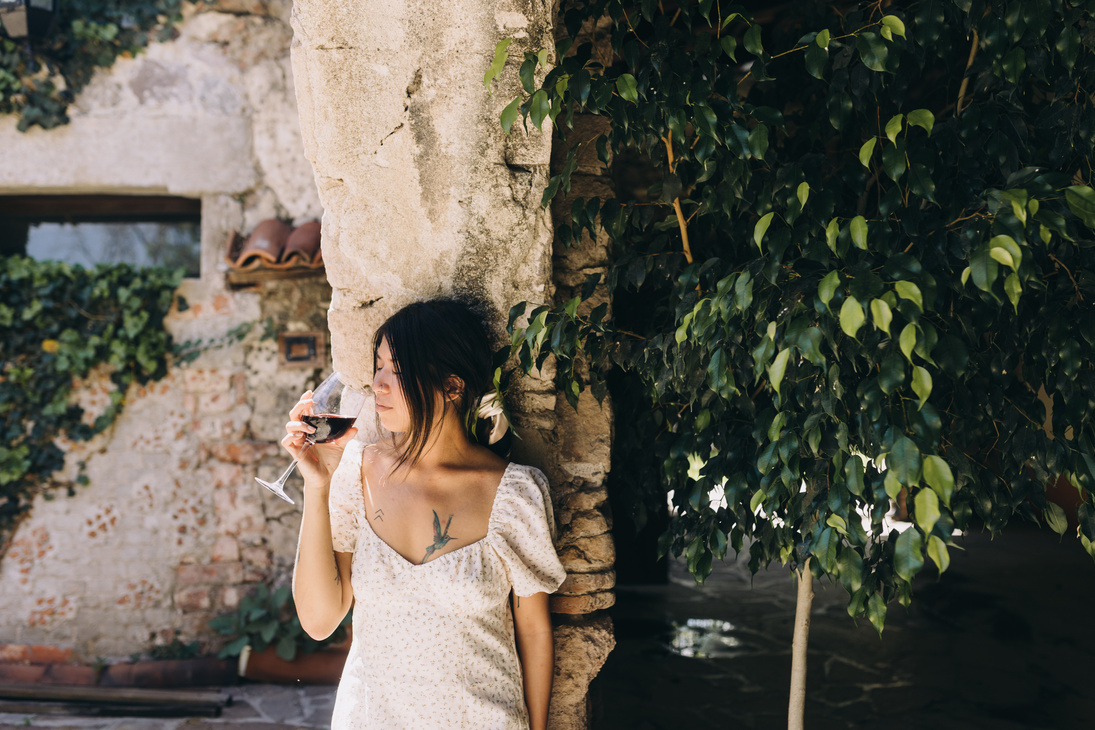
(454, 388)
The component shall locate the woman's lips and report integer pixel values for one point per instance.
(380, 407)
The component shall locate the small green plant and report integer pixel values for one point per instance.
(266, 619)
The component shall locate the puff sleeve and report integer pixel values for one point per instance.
(345, 500)
(525, 532)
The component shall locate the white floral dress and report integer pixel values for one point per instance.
(433, 643)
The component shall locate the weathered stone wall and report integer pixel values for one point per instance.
(424, 195)
(172, 528)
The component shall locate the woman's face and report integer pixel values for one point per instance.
(391, 407)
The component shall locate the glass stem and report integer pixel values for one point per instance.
(308, 443)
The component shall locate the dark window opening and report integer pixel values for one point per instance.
(103, 229)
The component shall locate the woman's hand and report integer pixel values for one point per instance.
(317, 462)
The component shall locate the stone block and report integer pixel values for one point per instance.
(256, 556)
(581, 648)
(580, 501)
(193, 599)
(583, 524)
(587, 554)
(582, 604)
(215, 574)
(578, 584)
(225, 550)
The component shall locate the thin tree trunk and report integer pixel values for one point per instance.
(796, 707)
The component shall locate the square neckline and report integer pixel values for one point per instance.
(490, 519)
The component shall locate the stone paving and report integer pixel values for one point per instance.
(254, 707)
(1002, 642)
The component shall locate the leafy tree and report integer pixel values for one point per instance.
(867, 251)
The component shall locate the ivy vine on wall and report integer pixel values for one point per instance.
(58, 322)
(38, 80)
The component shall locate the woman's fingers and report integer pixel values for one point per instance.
(303, 406)
(299, 427)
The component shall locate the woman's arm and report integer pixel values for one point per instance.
(536, 648)
(321, 578)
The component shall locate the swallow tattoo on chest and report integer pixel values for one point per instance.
(440, 539)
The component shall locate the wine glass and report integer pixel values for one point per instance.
(335, 406)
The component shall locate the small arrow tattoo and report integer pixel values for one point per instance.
(379, 515)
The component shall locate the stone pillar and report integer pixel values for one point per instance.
(423, 194)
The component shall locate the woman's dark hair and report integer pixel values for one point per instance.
(430, 342)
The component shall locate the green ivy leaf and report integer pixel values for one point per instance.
(628, 88)
(876, 612)
(938, 475)
(501, 54)
(894, 25)
(858, 229)
(831, 232)
(853, 475)
(926, 510)
(922, 118)
(881, 314)
(816, 58)
(851, 316)
(872, 51)
(893, 127)
(921, 384)
(779, 367)
(1081, 201)
(752, 40)
(937, 551)
(509, 114)
(761, 228)
(539, 107)
(803, 193)
(1055, 518)
(908, 554)
(909, 290)
(866, 150)
(1014, 290)
(827, 287)
(904, 461)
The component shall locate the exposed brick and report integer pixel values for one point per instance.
(257, 556)
(241, 452)
(200, 380)
(582, 604)
(216, 574)
(578, 584)
(230, 597)
(226, 550)
(224, 475)
(211, 403)
(193, 599)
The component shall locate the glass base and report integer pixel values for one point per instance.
(276, 489)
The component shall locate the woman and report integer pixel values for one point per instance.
(443, 548)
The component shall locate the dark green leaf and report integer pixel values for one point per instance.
(909, 554)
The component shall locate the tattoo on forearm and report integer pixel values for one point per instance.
(379, 515)
(440, 539)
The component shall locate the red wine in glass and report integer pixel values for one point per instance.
(338, 404)
(328, 427)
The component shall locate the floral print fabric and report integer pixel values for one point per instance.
(433, 643)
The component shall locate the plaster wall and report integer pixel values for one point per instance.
(424, 195)
(172, 529)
